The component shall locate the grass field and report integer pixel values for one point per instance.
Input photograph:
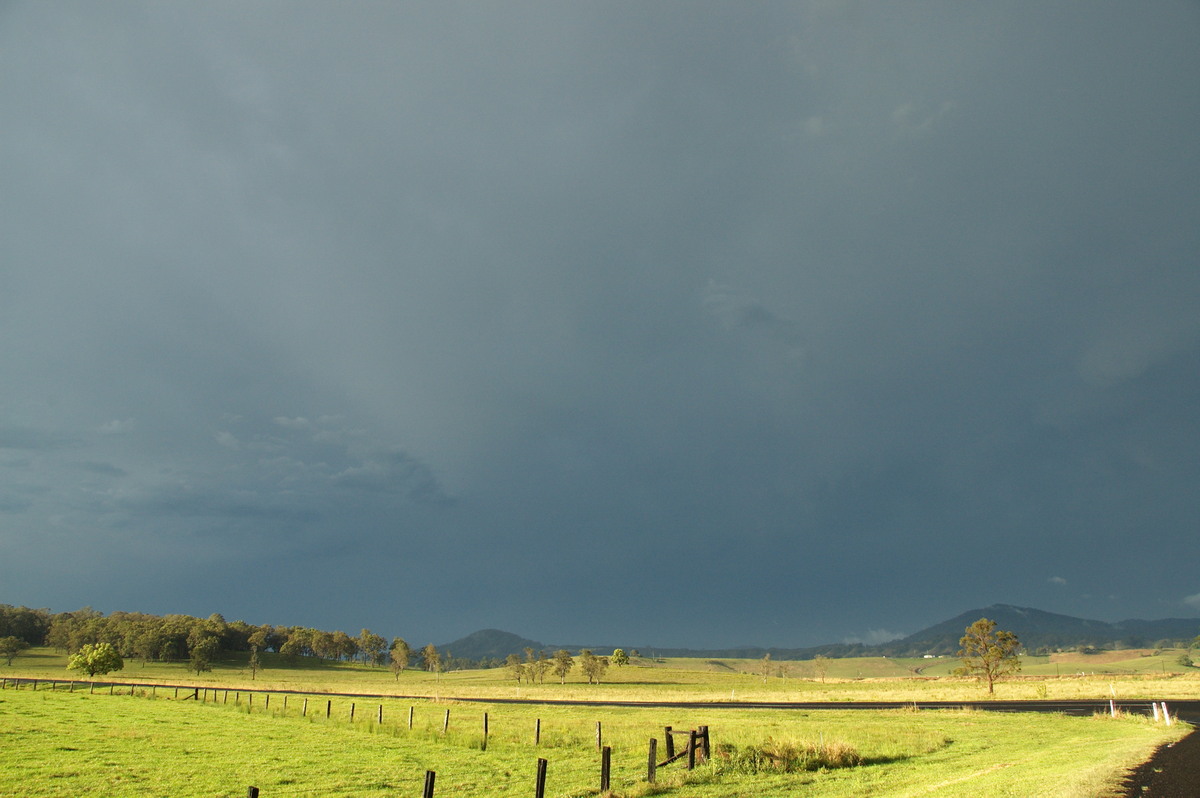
(1123, 675)
(75, 743)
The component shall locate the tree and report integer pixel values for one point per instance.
(255, 662)
(593, 667)
(538, 667)
(821, 666)
(10, 647)
(563, 662)
(516, 668)
(988, 653)
(400, 655)
(372, 647)
(431, 658)
(619, 657)
(764, 666)
(96, 659)
(202, 650)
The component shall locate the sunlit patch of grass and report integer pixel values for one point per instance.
(60, 743)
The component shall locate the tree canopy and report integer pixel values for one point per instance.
(96, 659)
(988, 653)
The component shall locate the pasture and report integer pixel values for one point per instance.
(156, 743)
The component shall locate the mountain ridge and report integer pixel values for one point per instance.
(1037, 630)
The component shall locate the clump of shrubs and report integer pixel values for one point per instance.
(786, 756)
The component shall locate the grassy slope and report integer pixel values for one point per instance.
(867, 679)
(61, 743)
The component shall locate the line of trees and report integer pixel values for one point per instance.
(199, 642)
(184, 638)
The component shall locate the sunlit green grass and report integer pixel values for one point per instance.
(1121, 675)
(74, 743)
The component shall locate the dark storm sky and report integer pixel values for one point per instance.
(841, 317)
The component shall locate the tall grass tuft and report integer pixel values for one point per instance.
(787, 756)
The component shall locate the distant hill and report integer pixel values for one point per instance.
(490, 644)
(1037, 629)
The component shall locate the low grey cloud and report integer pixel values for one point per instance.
(833, 302)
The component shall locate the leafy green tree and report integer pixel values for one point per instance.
(400, 655)
(25, 624)
(96, 659)
(593, 667)
(344, 646)
(563, 663)
(260, 638)
(10, 647)
(538, 667)
(988, 653)
(515, 668)
(202, 651)
(372, 647)
(431, 658)
(619, 657)
(204, 643)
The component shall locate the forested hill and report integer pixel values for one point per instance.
(1037, 629)
(490, 644)
(174, 637)
(1040, 630)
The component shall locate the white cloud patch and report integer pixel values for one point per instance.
(117, 427)
(752, 319)
(1193, 601)
(1057, 580)
(874, 637)
(912, 120)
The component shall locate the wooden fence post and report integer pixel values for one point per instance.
(304, 712)
(381, 714)
(252, 792)
(540, 786)
(285, 698)
(599, 737)
(328, 707)
(670, 742)
(267, 703)
(430, 778)
(410, 714)
(692, 750)
(537, 732)
(605, 767)
(705, 752)
(485, 730)
(351, 711)
(446, 722)
(652, 765)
